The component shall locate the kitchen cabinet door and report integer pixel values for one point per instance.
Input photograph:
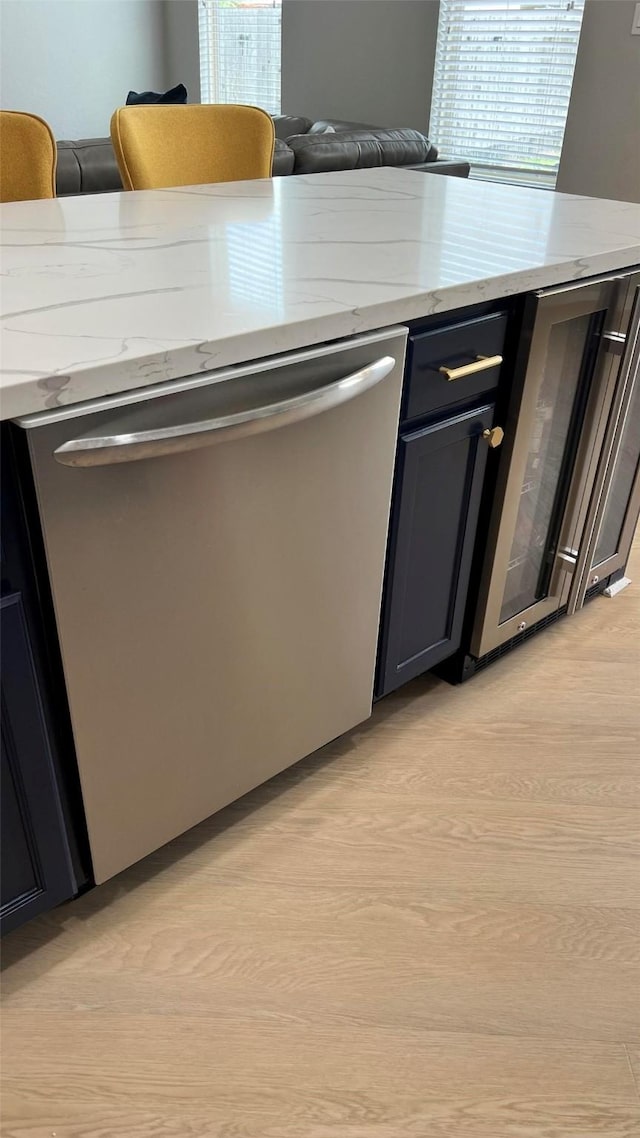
(37, 870)
(439, 480)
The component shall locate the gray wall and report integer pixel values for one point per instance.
(601, 151)
(368, 60)
(73, 61)
(182, 53)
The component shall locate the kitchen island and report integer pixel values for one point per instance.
(112, 292)
(218, 606)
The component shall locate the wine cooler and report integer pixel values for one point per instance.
(568, 487)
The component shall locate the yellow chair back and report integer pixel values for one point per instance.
(27, 158)
(176, 145)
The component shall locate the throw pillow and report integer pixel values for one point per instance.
(175, 95)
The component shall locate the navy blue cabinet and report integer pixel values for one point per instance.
(440, 476)
(43, 855)
(37, 871)
(446, 437)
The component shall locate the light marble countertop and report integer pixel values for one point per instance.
(107, 293)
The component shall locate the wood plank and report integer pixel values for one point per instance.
(399, 956)
(460, 848)
(256, 1075)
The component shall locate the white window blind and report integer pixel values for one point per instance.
(503, 75)
(240, 49)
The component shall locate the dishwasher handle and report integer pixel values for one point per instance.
(105, 449)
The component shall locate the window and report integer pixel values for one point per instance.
(240, 52)
(502, 83)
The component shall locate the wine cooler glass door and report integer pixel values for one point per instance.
(613, 513)
(545, 482)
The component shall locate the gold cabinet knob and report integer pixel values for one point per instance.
(493, 436)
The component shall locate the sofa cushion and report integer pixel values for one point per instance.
(328, 126)
(283, 159)
(87, 167)
(286, 125)
(68, 177)
(358, 149)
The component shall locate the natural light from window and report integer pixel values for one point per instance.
(502, 82)
(240, 49)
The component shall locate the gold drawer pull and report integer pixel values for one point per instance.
(481, 363)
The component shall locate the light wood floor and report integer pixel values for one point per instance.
(429, 930)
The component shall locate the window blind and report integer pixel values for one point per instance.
(240, 50)
(502, 82)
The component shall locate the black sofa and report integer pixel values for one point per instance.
(89, 165)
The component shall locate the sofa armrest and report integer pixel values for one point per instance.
(286, 125)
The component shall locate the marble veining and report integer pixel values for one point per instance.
(107, 293)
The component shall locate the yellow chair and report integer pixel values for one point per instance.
(27, 158)
(191, 145)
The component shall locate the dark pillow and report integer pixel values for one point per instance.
(175, 95)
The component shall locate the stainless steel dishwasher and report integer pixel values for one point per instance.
(216, 549)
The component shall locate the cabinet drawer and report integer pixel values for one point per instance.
(456, 346)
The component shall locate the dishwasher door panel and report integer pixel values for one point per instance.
(217, 609)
